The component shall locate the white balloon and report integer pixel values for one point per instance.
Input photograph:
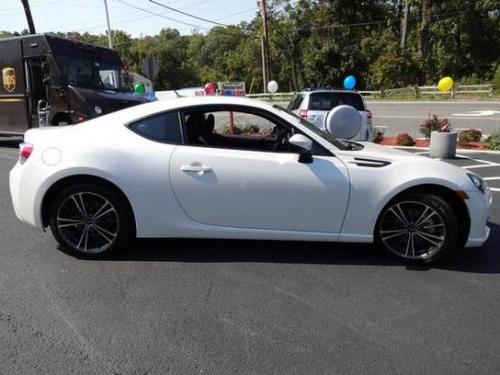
(272, 86)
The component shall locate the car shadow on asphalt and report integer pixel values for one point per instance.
(476, 260)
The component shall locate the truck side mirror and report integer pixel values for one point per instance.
(46, 73)
(45, 68)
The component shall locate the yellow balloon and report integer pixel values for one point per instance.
(445, 84)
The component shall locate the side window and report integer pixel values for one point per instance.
(238, 129)
(235, 129)
(164, 128)
(291, 105)
(295, 102)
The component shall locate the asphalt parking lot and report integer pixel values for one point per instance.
(245, 307)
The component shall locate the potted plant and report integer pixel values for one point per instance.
(443, 140)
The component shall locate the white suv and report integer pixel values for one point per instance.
(314, 105)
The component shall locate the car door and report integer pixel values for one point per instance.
(260, 189)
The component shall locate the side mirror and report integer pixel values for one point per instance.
(301, 141)
(45, 68)
(305, 144)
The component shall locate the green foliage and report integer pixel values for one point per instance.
(250, 129)
(493, 141)
(434, 123)
(404, 139)
(469, 135)
(322, 41)
(378, 135)
(496, 79)
(227, 131)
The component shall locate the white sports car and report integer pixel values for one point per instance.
(216, 167)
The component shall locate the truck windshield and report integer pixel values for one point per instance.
(92, 74)
(89, 67)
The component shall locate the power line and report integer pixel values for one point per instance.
(187, 14)
(122, 21)
(227, 30)
(161, 15)
(230, 15)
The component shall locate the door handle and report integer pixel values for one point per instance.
(196, 168)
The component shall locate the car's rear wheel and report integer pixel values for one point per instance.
(90, 221)
(418, 228)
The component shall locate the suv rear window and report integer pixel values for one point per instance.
(324, 101)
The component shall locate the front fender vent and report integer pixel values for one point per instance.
(373, 163)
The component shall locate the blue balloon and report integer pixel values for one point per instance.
(349, 82)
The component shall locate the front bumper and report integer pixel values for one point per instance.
(478, 205)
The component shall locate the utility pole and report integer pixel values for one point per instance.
(110, 42)
(266, 61)
(29, 18)
(405, 23)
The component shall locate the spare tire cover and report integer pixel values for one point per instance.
(343, 121)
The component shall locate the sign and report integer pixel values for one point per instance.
(150, 67)
(232, 88)
(9, 79)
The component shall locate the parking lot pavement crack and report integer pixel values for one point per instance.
(90, 349)
(24, 330)
(357, 331)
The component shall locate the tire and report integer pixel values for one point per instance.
(418, 228)
(90, 221)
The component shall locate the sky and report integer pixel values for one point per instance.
(89, 15)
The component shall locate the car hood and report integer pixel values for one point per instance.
(404, 166)
(374, 150)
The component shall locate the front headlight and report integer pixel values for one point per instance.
(98, 109)
(478, 181)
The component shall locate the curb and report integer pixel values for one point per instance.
(459, 150)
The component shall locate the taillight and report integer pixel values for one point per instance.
(303, 113)
(369, 116)
(25, 150)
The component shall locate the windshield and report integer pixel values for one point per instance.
(89, 67)
(97, 75)
(323, 134)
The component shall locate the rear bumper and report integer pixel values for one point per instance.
(23, 192)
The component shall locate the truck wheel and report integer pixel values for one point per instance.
(61, 120)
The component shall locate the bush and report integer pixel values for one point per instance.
(250, 129)
(470, 135)
(434, 123)
(496, 80)
(404, 139)
(493, 141)
(378, 135)
(227, 131)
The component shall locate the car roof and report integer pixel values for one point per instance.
(334, 91)
(144, 110)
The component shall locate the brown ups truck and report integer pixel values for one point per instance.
(48, 80)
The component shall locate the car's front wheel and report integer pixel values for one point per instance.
(90, 221)
(418, 228)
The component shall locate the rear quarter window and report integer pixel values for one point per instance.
(328, 100)
(295, 102)
(164, 128)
